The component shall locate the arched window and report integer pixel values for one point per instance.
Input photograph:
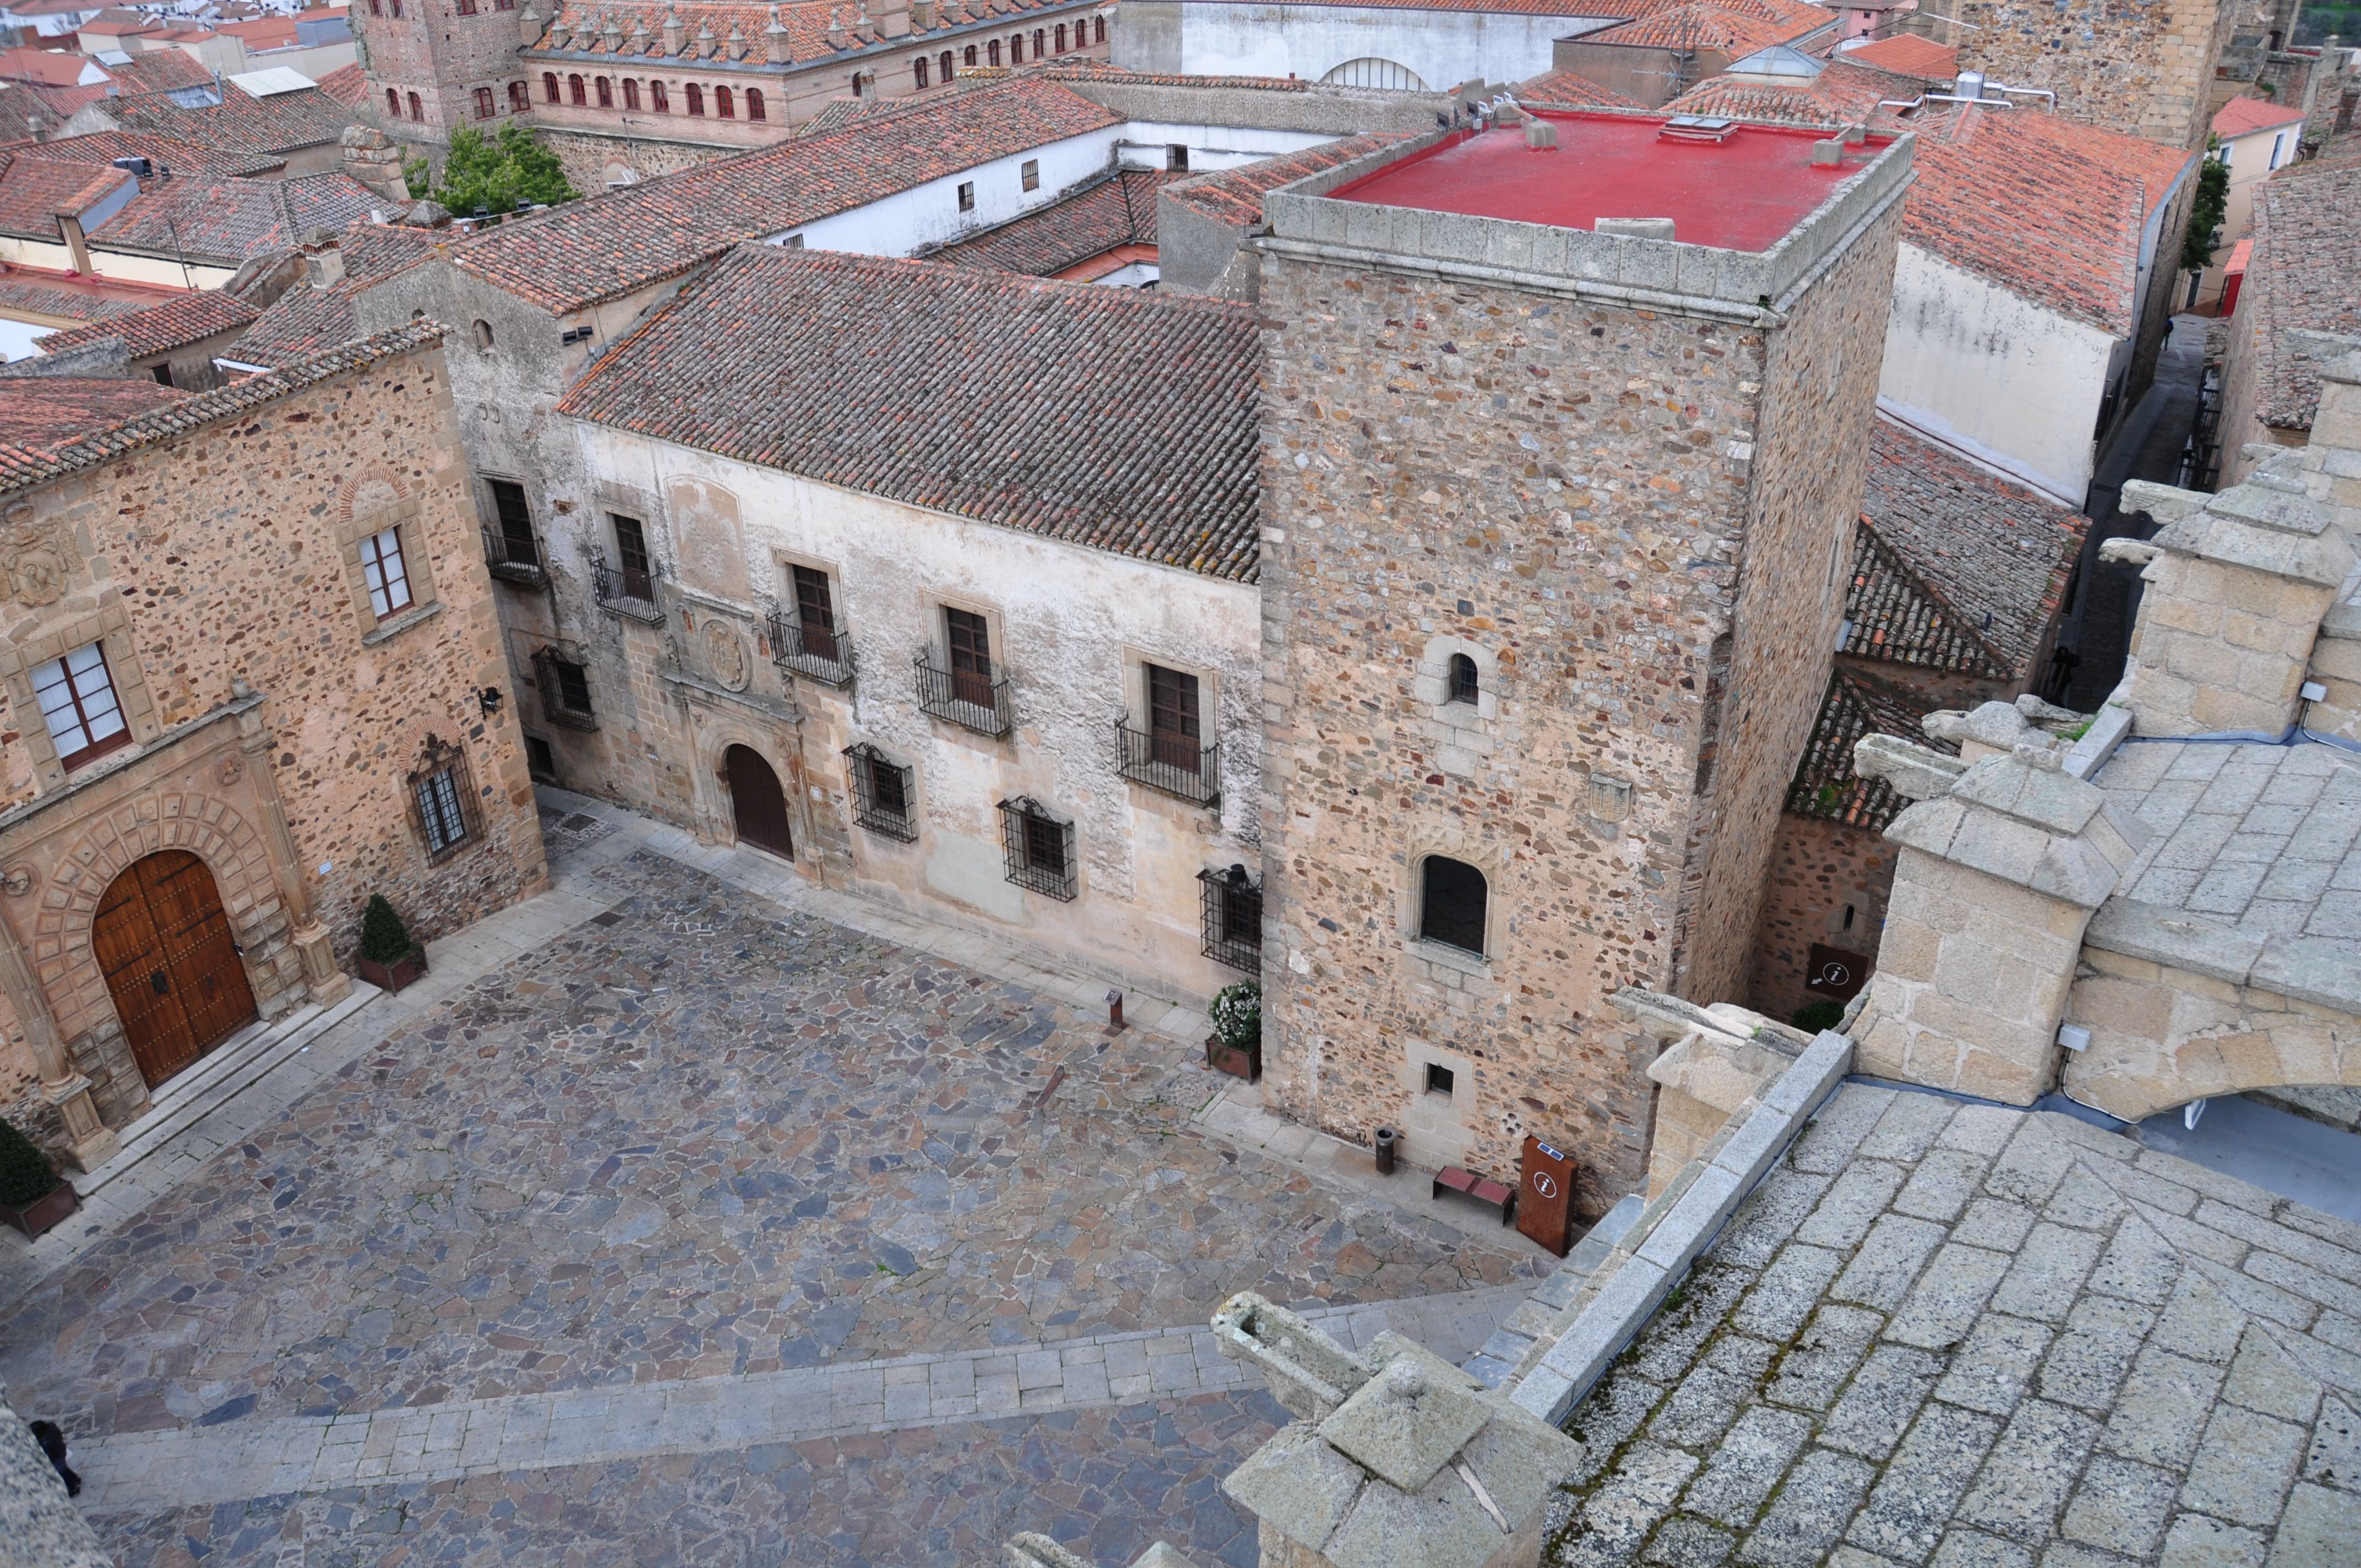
(967, 56)
(483, 336)
(725, 104)
(520, 98)
(1098, 29)
(992, 53)
(573, 90)
(631, 93)
(659, 98)
(1061, 37)
(1017, 48)
(606, 94)
(549, 85)
(919, 72)
(376, 8)
(696, 98)
(1464, 685)
(484, 108)
(417, 110)
(466, 7)
(1041, 43)
(394, 102)
(754, 110)
(1451, 905)
(945, 63)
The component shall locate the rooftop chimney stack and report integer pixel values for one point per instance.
(528, 27)
(835, 33)
(675, 33)
(705, 42)
(775, 41)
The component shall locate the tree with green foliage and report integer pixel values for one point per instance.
(384, 938)
(2205, 213)
(499, 174)
(26, 1174)
(418, 175)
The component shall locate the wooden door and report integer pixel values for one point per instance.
(165, 948)
(757, 802)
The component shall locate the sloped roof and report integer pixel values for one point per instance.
(1845, 93)
(229, 222)
(1234, 196)
(284, 121)
(178, 157)
(1956, 568)
(347, 85)
(1855, 705)
(19, 292)
(1111, 418)
(48, 67)
(1907, 54)
(807, 22)
(2244, 117)
(1117, 209)
(1732, 27)
(305, 321)
(175, 323)
(38, 411)
(34, 191)
(70, 449)
(2304, 273)
(608, 245)
(1572, 90)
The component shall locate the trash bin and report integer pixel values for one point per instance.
(1385, 1146)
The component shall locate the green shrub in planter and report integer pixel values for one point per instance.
(1814, 1016)
(26, 1174)
(1238, 1016)
(384, 938)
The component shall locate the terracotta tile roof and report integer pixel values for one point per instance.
(839, 113)
(284, 121)
(608, 245)
(1845, 93)
(1825, 784)
(34, 462)
(1100, 70)
(347, 85)
(159, 70)
(34, 191)
(46, 67)
(1734, 27)
(229, 222)
(807, 22)
(17, 294)
(2049, 211)
(1573, 91)
(177, 157)
(1234, 196)
(1116, 209)
(175, 323)
(1107, 417)
(2244, 117)
(43, 411)
(1907, 54)
(2304, 273)
(1955, 569)
(305, 321)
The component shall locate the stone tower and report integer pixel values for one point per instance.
(435, 66)
(1562, 453)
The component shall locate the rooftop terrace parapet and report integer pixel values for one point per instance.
(1762, 219)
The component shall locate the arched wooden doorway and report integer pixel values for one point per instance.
(165, 948)
(757, 802)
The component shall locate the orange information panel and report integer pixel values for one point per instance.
(1545, 1196)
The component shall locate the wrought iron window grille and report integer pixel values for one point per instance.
(1176, 764)
(966, 698)
(1039, 848)
(564, 690)
(1230, 903)
(625, 592)
(882, 798)
(814, 652)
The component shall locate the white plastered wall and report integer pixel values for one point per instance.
(1444, 47)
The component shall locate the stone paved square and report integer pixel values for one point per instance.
(702, 1145)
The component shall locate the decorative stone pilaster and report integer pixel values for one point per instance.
(90, 1142)
(1418, 1464)
(1998, 876)
(322, 981)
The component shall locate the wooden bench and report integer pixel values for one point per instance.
(1466, 1183)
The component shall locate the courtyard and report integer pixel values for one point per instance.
(709, 1231)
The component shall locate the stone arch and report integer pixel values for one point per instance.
(372, 491)
(2184, 1040)
(718, 729)
(206, 826)
(1370, 71)
(1424, 843)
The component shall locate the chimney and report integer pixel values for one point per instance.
(529, 29)
(775, 41)
(370, 157)
(922, 16)
(675, 33)
(324, 265)
(735, 46)
(836, 36)
(894, 18)
(612, 32)
(560, 35)
(639, 35)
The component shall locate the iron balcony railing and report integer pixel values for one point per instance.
(966, 698)
(515, 559)
(626, 590)
(1176, 764)
(815, 652)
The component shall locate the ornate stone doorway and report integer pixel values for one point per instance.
(164, 945)
(757, 803)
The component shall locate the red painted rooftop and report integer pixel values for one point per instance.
(1743, 193)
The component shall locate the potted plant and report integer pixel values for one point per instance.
(1236, 1045)
(389, 957)
(33, 1197)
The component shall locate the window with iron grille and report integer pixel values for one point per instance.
(1466, 686)
(564, 690)
(1039, 847)
(442, 801)
(510, 549)
(1171, 755)
(881, 795)
(77, 698)
(1231, 904)
(1451, 903)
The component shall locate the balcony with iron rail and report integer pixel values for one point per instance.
(514, 558)
(627, 590)
(965, 698)
(1176, 764)
(814, 653)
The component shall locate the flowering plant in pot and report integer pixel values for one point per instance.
(33, 1197)
(1236, 1045)
(389, 957)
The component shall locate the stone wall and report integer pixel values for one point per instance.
(1820, 870)
(442, 57)
(2141, 67)
(593, 159)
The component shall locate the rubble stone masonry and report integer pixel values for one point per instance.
(2141, 67)
(1639, 524)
